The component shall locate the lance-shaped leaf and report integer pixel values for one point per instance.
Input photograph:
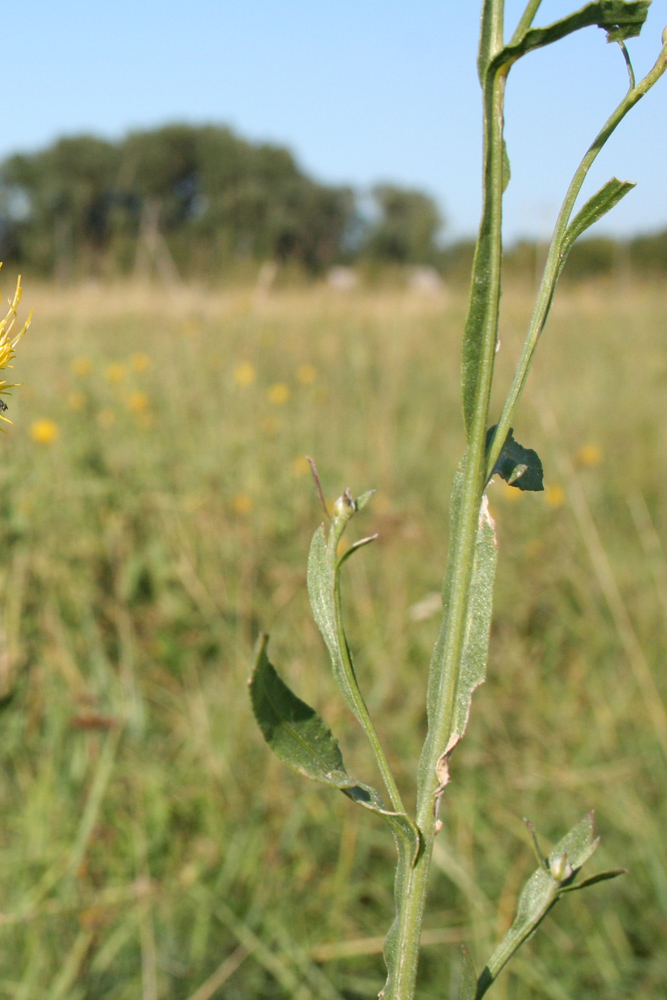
(621, 19)
(544, 888)
(468, 980)
(323, 569)
(594, 209)
(518, 466)
(471, 668)
(300, 737)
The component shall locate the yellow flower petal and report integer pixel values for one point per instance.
(278, 393)
(140, 362)
(44, 431)
(588, 456)
(115, 373)
(82, 366)
(306, 374)
(554, 495)
(245, 374)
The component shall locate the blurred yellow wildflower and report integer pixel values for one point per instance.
(507, 492)
(140, 362)
(115, 373)
(271, 425)
(278, 393)
(44, 431)
(82, 366)
(77, 400)
(245, 374)
(300, 465)
(106, 417)
(242, 504)
(588, 456)
(306, 374)
(554, 495)
(138, 402)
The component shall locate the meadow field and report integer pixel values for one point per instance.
(156, 511)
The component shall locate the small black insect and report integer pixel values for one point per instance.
(3, 405)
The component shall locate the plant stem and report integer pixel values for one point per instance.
(554, 262)
(527, 19)
(362, 710)
(444, 672)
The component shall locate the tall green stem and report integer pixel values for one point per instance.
(482, 325)
(555, 257)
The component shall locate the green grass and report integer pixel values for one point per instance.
(143, 549)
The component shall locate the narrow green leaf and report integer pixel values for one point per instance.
(621, 19)
(540, 893)
(518, 466)
(594, 209)
(294, 730)
(468, 980)
(624, 20)
(472, 666)
(301, 739)
(355, 548)
(322, 593)
(476, 648)
(600, 877)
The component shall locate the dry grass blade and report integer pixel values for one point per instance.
(221, 974)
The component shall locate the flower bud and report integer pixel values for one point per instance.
(560, 868)
(344, 507)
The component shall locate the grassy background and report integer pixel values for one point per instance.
(156, 513)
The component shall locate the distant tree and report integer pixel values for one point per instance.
(648, 254)
(186, 199)
(67, 191)
(407, 228)
(196, 195)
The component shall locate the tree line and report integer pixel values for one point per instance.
(191, 200)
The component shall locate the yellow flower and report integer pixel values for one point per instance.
(138, 402)
(140, 362)
(82, 366)
(306, 374)
(106, 417)
(554, 495)
(245, 374)
(44, 431)
(508, 492)
(588, 456)
(115, 373)
(300, 465)
(242, 504)
(76, 400)
(8, 343)
(278, 393)
(271, 425)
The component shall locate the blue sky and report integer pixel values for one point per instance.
(360, 90)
